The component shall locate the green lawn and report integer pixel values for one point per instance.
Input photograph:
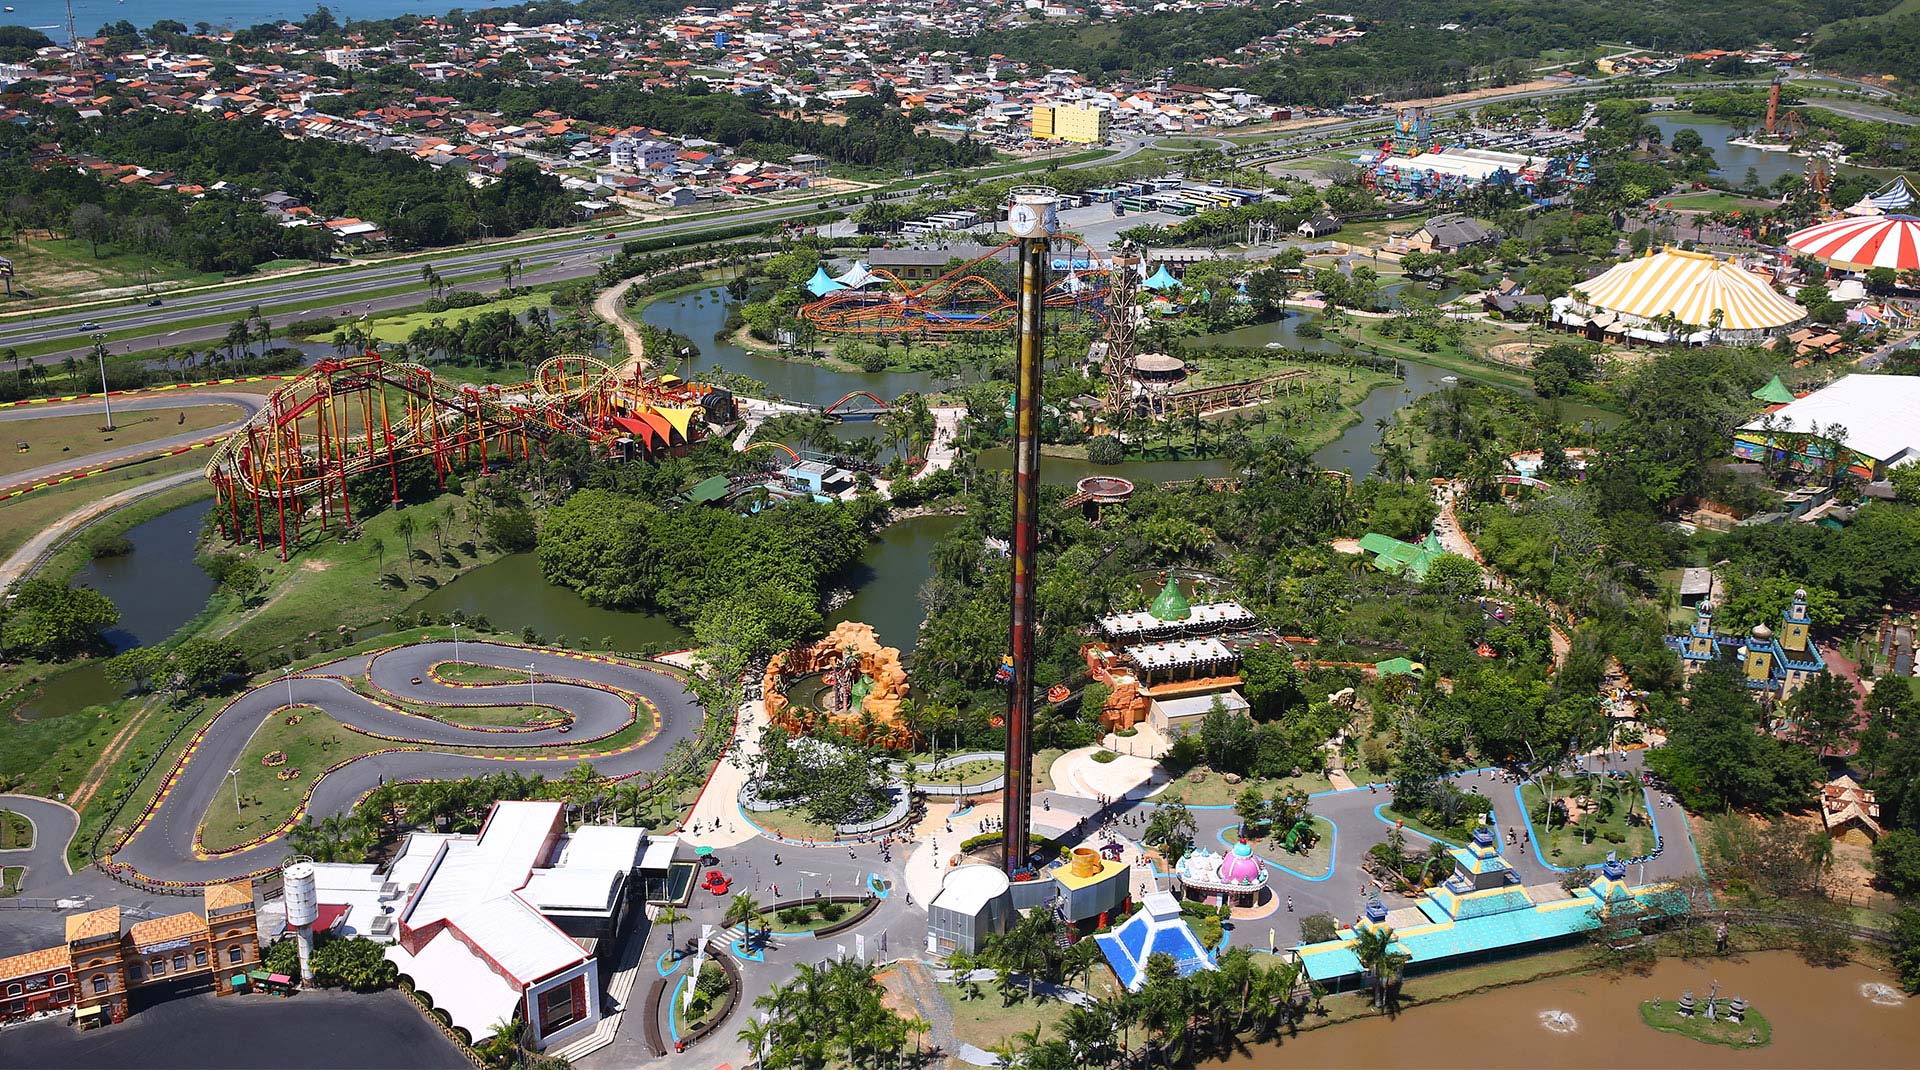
(332, 584)
(1713, 201)
(397, 328)
(804, 918)
(1456, 835)
(964, 773)
(463, 672)
(309, 748)
(16, 832)
(994, 1017)
(1566, 846)
(70, 439)
(1212, 788)
(10, 881)
(1314, 862)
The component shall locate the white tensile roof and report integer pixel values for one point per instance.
(1880, 412)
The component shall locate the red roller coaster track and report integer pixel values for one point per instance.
(365, 415)
(961, 300)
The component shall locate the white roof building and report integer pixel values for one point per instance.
(506, 922)
(1881, 414)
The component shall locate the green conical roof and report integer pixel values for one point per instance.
(1774, 393)
(1170, 604)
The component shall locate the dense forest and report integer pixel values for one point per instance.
(1402, 51)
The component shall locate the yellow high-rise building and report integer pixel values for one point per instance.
(1083, 125)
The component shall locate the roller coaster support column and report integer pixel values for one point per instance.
(1032, 220)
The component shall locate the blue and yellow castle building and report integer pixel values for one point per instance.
(1778, 663)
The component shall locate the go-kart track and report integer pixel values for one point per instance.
(593, 698)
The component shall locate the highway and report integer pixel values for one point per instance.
(562, 257)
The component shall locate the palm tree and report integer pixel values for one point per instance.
(1374, 948)
(404, 526)
(668, 916)
(758, 1035)
(742, 911)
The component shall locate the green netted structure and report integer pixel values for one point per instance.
(1408, 559)
(1774, 393)
(1170, 604)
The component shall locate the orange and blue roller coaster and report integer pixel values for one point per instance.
(963, 299)
(365, 416)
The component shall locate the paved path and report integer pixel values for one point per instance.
(247, 403)
(53, 827)
(164, 848)
(21, 563)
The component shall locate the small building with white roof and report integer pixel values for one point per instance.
(975, 902)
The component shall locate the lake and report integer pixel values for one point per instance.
(1731, 161)
(1820, 1018)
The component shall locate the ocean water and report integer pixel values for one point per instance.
(50, 16)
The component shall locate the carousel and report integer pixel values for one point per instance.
(1236, 878)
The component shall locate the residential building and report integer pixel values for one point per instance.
(1080, 124)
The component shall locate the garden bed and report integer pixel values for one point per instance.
(1565, 846)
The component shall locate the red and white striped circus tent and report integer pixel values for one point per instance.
(1862, 242)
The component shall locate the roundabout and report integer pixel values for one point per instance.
(640, 713)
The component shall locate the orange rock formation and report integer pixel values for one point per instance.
(879, 664)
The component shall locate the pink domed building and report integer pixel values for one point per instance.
(1237, 878)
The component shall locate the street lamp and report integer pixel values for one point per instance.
(286, 675)
(100, 354)
(529, 683)
(456, 642)
(234, 775)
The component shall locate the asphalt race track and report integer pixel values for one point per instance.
(162, 848)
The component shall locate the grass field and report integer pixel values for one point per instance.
(1316, 861)
(1564, 846)
(58, 267)
(310, 747)
(994, 1018)
(488, 716)
(332, 584)
(16, 832)
(1713, 201)
(54, 439)
(21, 518)
(1457, 836)
(10, 881)
(397, 328)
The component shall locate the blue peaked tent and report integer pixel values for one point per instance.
(1162, 281)
(823, 284)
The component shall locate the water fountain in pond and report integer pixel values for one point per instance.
(1557, 1021)
(1883, 995)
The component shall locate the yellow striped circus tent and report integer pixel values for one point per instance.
(1634, 300)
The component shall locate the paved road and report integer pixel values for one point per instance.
(247, 403)
(569, 255)
(53, 827)
(164, 848)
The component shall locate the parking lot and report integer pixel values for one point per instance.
(315, 1030)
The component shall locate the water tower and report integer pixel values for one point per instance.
(303, 908)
